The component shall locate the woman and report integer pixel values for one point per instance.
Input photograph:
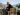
(9, 6)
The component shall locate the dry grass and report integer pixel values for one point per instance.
(12, 10)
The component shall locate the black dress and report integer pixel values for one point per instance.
(9, 7)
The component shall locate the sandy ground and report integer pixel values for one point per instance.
(8, 14)
(0, 13)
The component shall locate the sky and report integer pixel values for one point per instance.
(12, 2)
(3, 1)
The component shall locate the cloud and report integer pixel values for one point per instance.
(14, 1)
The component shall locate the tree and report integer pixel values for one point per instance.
(17, 5)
